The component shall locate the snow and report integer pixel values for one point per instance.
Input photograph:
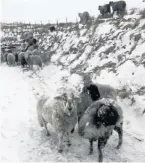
(22, 139)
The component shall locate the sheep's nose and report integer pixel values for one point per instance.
(69, 108)
(82, 133)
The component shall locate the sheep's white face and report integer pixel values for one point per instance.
(69, 104)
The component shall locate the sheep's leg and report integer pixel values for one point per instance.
(47, 132)
(72, 131)
(91, 147)
(67, 140)
(60, 139)
(119, 130)
(101, 144)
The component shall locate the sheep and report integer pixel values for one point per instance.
(101, 90)
(96, 92)
(23, 62)
(105, 9)
(84, 102)
(93, 92)
(34, 60)
(98, 123)
(60, 112)
(21, 59)
(20, 55)
(84, 17)
(118, 6)
(11, 59)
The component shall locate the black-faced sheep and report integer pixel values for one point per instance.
(118, 6)
(98, 123)
(97, 91)
(61, 113)
(105, 9)
(11, 59)
(94, 92)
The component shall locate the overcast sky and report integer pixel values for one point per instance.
(52, 10)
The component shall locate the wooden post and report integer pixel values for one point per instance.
(76, 20)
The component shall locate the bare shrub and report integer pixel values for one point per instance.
(117, 23)
(120, 58)
(143, 27)
(133, 47)
(137, 37)
(110, 49)
(135, 24)
(128, 26)
(73, 50)
(142, 59)
(45, 57)
(133, 10)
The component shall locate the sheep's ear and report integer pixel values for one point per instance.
(72, 96)
(64, 97)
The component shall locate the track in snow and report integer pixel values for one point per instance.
(24, 140)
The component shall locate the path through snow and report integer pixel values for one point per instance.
(22, 139)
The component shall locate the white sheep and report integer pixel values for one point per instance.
(20, 55)
(11, 59)
(34, 60)
(98, 123)
(61, 113)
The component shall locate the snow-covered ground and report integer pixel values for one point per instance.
(112, 51)
(22, 139)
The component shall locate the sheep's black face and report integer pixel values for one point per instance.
(94, 92)
(106, 115)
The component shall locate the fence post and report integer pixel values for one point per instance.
(76, 20)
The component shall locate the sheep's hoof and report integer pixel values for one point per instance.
(91, 152)
(60, 150)
(118, 146)
(72, 131)
(69, 144)
(47, 134)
